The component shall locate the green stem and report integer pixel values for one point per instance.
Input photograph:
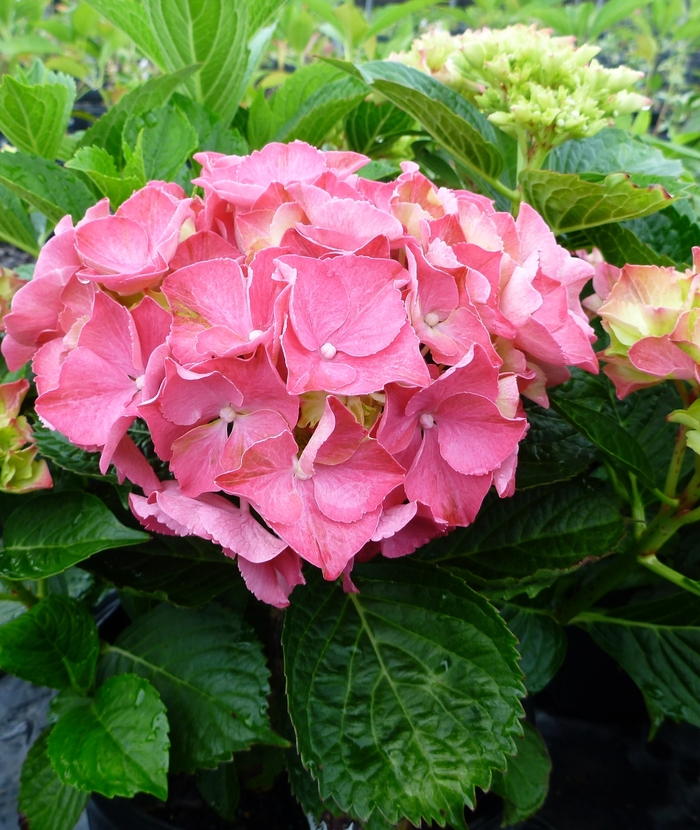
(674, 468)
(619, 567)
(41, 588)
(653, 564)
(638, 513)
(21, 592)
(9, 598)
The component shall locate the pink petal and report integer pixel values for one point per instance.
(273, 581)
(474, 437)
(266, 479)
(452, 497)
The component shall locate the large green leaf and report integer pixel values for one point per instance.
(612, 151)
(211, 674)
(50, 532)
(452, 121)
(541, 644)
(320, 112)
(372, 128)
(115, 743)
(35, 117)
(619, 245)
(212, 33)
(219, 788)
(187, 572)
(56, 447)
(166, 141)
(552, 450)
(658, 644)
(54, 644)
(672, 232)
(46, 802)
(524, 784)
(404, 697)
(534, 533)
(131, 17)
(569, 203)
(588, 403)
(15, 225)
(45, 185)
(107, 131)
(212, 133)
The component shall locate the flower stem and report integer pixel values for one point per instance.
(653, 564)
(674, 468)
(21, 593)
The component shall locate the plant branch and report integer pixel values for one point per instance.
(653, 564)
(674, 468)
(20, 591)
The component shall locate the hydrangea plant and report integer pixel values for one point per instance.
(298, 389)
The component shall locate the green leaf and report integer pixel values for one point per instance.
(322, 111)
(388, 16)
(35, 117)
(107, 131)
(541, 644)
(449, 118)
(261, 12)
(380, 169)
(15, 226)
(299, 86)
(533, 533)
(54, 644)
(44, 800)
(56, 447)
(404, 697)
(260, 121)
(524, 784)
(211, 674)
(45, 185)
(187, 572)
(372, 128)
(671, 233)
(52, 531)
(586, 402)
(130, 16)
(658, 645)
(219, 788)
(212, 133)
(117, 744)
(612, 151)
(552, 450)
(619, 245)
(568, 203)
(167, 140)
(101, 168)
(212, 33)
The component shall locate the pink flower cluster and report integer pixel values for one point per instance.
(343, 357)
(652, 314)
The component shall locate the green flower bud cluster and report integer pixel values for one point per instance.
(540, 89)
(20, 470)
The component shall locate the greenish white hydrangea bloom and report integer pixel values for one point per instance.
(540, 89)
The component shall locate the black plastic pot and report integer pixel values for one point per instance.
(121, 814)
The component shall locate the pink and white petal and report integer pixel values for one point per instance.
(200, 247)
(418, 532)
(196, 458)
(345, 492)
(111, 334)
(91, 396)
(327, 544)
(453, 498)
(266, 479)
(474, 436)
(272, 582)
(131, 464)
(660, 357)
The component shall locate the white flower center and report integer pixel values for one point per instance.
(432, 319)
(227, 413)
(298, 472)
(140, 381)
(426, 420)
(328, 351)
(255, 333)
